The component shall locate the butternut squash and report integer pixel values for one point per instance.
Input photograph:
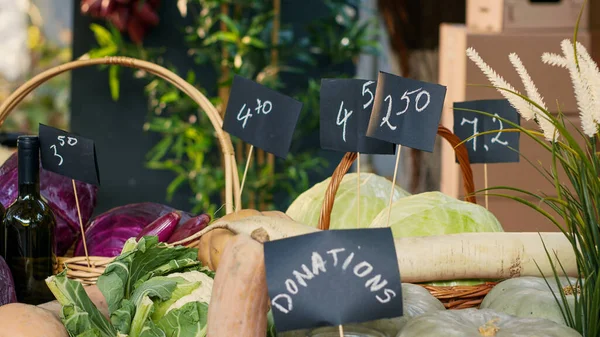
(239, 301)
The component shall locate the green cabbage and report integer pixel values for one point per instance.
(434, 213)
(374, 196)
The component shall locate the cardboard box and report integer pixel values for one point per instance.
(517, 217)
(456, 72)
(525, 174)
(495, 16)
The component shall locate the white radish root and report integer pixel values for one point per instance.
(482, 256)
(443, 257)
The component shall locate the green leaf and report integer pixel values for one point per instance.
(113, 81)
(142, 313)
(252, 41)
(151, 330)
(181, 265)
(230, 24)
(122, 317)
(103, 35)
(103, 52)
(159, 287)
(70, 294)
(187, 321)
(169, 97)
(222, 37)
(182, 289)
(75, 320)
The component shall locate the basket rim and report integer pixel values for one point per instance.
(232, 183)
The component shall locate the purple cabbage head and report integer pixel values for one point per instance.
(108, 231)
(58, 192)
(7, 286)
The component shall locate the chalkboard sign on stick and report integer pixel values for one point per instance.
(261, 117)
(332, 278)
(406, 112)
(498, 147)
(345, 110)
(69, 155)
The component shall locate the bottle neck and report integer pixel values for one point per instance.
(29, 172)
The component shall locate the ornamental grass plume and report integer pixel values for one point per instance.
(586, 82)
(575, 155)
(528, 109)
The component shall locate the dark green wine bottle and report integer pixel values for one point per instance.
(27, 233)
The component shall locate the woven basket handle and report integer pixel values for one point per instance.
(336, 178)
(232, 183)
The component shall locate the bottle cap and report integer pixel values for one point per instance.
(28, 142)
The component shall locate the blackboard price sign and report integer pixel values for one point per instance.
(406, 111)
(333, 278)
(261, 116)
(345, 110)
(69, 155)
(497, 147)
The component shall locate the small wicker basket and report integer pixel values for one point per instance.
(78, 267)
(453, 297)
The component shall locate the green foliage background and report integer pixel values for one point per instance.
(239, 41)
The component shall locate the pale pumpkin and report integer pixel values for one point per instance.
(24, 320)
(416, 301)
(482, 322)
(530, 297)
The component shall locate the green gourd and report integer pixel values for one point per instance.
(416, 301)
(530, 297)
(482, 322)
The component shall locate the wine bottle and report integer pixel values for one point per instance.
(27, 233)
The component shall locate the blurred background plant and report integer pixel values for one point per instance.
(49, 104)
(244, 37)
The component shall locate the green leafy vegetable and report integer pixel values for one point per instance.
(116, 283)
(152, 290)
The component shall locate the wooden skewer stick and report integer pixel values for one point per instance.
(341, 328)
(87, 257)
(358, 190)
(393, 184)
(485, 185)
(246, 169)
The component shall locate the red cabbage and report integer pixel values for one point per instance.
(108, 231)
(58, 191)
(7, 286)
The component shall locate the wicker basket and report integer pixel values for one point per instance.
(78, 266)
(453, 297)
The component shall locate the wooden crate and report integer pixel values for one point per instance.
(495, 16)
(456, 72)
